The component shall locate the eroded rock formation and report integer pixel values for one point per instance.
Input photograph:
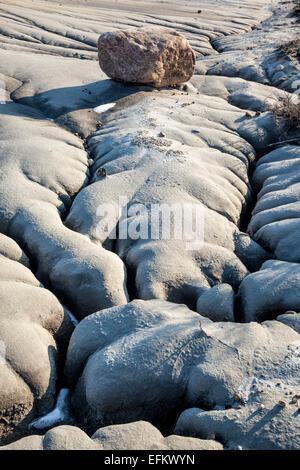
(34, 333)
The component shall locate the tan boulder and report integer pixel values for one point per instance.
(153, 56)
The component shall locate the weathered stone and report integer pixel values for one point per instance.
(217, 303)
(139, 435)
(155, 56)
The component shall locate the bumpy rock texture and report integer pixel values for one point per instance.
(148, 359)
(133, 436)
(276, 288)
(154, 56)
(34, 333)
(203, 136)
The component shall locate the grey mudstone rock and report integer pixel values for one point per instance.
(51, 56)
(26, 443)
(68, 438)
(34, 332)
(154, 56)
(209, 169)
(275, 218)
(59, 438)
(237, 91)
(217, 303)
(75, 36)
(260, 424)
(255, 56)
(49, 87)
(292, 320)
(270, 291)
(189, 443)
(132, 436)
(139, 435)
(85, 276)
(11, 250)
(141, 360)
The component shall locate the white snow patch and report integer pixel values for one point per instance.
(56, 416)
(104, 107)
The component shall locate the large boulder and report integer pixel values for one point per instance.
(155, 56)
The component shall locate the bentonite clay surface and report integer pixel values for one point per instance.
(114, 343)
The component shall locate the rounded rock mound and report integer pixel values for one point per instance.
(153, 56)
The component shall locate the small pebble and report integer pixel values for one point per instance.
(248, 114)
(261, 406)
(239, 448)
(258, 113)
(162, 134)
(238, 397)
(90, 162)
(199, 11)
(239, 407)
(101, 172)
(282, 403)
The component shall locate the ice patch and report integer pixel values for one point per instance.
(104, 107)
(60, 413)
